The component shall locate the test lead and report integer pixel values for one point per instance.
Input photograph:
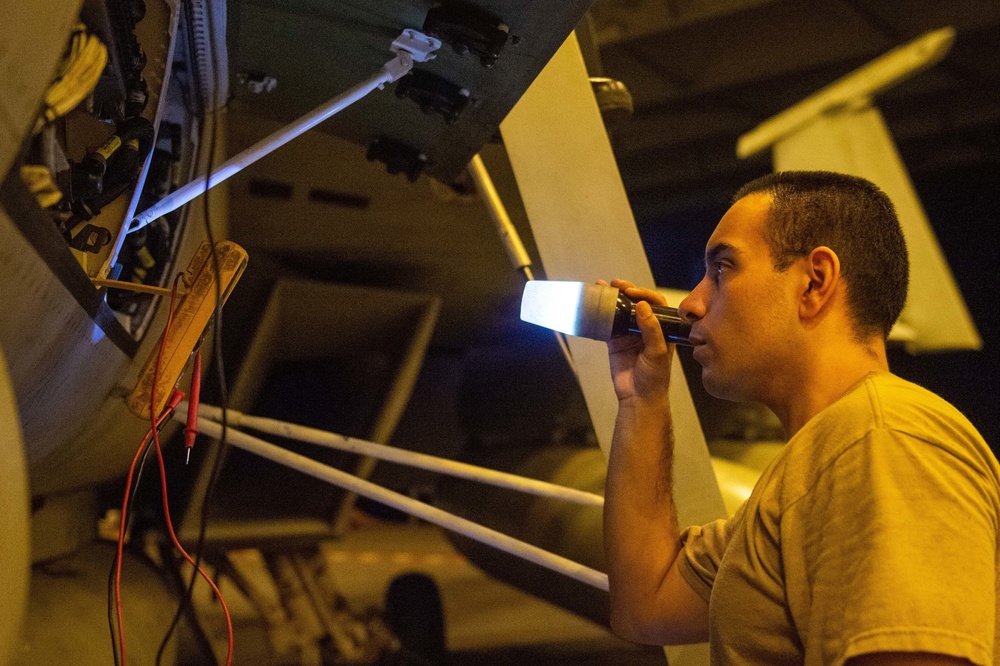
(191, 428)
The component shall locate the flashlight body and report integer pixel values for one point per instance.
(594, 311)
(675, 329)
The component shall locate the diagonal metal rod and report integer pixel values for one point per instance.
(409, 46)
(400, 456)
(431, 514)
(508, 233)
(237, 163)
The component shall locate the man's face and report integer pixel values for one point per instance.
(743, 312)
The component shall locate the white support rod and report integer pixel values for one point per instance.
(116, 249)
(511, 240)
(508, 234)
(401, 456)
(237, 163)
(411, 506)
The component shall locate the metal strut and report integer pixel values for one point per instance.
(431, 514)
(508, 234)
(411, 46)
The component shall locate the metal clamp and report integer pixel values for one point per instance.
(420, 46)
(411, 46)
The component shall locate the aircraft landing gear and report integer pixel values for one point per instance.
(413, 612)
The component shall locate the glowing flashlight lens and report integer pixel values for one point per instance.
(552, 304)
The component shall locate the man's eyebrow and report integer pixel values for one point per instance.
(712, 254)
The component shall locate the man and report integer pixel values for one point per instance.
(872, 538)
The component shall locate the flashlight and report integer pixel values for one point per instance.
(593, 311)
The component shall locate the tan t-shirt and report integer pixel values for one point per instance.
(875, 530)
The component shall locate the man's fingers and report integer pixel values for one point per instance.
(649, 326)
(640, 294)
(637, 293)
(622, 284)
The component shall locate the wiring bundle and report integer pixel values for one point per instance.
(80, 72)
(220, 274)
(152, 440)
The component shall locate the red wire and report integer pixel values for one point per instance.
(121, 536)
(154, 431)
(180, 548)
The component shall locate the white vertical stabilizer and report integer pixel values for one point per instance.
(838, 129)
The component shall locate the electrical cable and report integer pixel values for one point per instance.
(191, 428)
(154, 432)
(151, 434)
(177, 544)
(127, 518)
(217, 346)
(78, 75)
(144, 445)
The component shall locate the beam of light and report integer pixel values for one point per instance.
(553, 304)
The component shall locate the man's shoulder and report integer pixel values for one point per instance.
(845, 421)
(900, 405)
(885, 401)
(886, 405)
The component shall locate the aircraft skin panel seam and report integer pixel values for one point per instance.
(43, 237)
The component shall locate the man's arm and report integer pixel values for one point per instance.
(650, 600)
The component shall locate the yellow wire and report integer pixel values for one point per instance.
(78, 76)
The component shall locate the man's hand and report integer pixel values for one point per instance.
(640, 367)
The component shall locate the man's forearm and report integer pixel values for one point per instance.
(650, 600)
(641, 535)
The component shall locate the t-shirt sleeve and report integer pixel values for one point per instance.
(897, 544)
(702, 550)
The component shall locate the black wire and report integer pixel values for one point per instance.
(217, 344)
(111, 621)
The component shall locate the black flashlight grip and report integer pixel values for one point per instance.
(675, 329)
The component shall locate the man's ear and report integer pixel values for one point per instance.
(822, 273)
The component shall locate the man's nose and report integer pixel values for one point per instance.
(692, 308)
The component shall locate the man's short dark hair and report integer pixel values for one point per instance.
(855, 219)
